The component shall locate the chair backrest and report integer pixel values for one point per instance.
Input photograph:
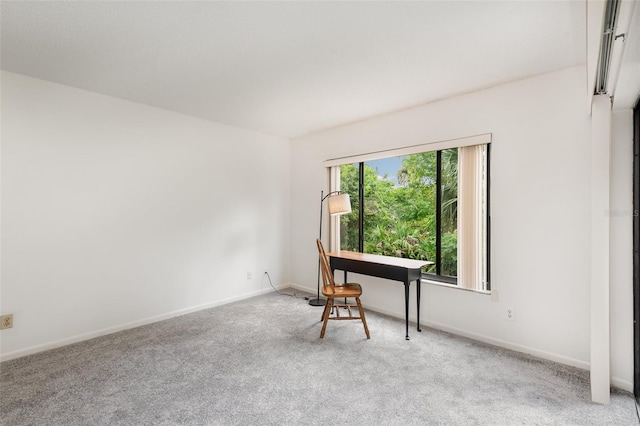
(328, 284)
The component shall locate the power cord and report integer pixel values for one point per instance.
(280, 293)
(636, 404)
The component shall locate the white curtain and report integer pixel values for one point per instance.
(471, 217)
(334, 224)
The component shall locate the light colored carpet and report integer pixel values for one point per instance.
(261, 362)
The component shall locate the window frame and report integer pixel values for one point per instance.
(484, 139)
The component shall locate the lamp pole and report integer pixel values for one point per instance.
(318, 301)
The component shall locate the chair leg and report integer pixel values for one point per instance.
(326, 316)
(364, 321)
(324, 312)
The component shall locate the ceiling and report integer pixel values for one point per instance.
(289, 68)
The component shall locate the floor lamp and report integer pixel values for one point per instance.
(339, 204)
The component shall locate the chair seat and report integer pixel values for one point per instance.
(344, 290)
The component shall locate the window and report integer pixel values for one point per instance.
(430, 205)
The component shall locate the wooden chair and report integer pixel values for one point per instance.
(332, 291)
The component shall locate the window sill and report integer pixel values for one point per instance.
(443, 284)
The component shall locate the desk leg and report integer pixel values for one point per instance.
(333, 273)
(418, 297)
(406, 308)
(345, 281)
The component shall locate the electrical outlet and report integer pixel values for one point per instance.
(6, 321)
(249, 276)
(511, 314)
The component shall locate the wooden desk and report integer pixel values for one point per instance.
(391, 268)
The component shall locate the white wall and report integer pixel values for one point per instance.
(116, 214)
(540, 197)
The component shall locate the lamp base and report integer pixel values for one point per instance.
(317, 302)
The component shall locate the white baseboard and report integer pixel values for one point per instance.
(622, 384)
(305, 289)
(551, 356)
(492, 341)
(133, 324)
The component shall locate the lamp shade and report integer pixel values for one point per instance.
(339, 204)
